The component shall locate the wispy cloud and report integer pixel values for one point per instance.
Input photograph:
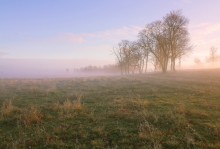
(66, 37)
(203, 37)
(99, 44)
(205, 33)
(74, 38)
(206, 28)
(120, 33)
(106, 36)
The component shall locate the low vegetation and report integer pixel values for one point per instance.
(173, 110)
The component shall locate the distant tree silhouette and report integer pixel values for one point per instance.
(213, 57)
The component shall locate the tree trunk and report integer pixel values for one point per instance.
(146, 63)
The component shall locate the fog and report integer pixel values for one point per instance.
(61, 68)
(46, 68)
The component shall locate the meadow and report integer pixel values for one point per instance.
(173, 110)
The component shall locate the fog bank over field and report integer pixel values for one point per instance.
(55, 68)
(45, 68)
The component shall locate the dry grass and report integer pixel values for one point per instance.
(7, 108)
(134, 103)
(68, 107)
(151, 135)
(124, 108)
(78, 103)
(30, 116)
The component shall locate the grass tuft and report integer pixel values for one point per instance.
(151, 135)
(30, 116)
(68, 105)
(7, 108)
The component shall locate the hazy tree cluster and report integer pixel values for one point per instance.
(212, 58)
(161, 43)
(106, 68)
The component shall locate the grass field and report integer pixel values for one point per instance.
(174, 110)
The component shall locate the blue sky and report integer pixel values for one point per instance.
(87, 30)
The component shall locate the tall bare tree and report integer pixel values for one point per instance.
(175, 25)
(129, 57)
(157, 43)
(144, 46)
(137, 57)
(122, 53)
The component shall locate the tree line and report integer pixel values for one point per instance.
(161, 43)
(111, 68)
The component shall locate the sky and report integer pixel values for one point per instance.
(74, 33)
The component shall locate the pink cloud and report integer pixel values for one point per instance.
(67, 37)
(120, 33)
(205, 29)
(203, 37)
(73, 38)
(114, 34)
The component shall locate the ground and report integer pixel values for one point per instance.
(173, 110)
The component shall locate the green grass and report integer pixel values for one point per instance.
(175, 110)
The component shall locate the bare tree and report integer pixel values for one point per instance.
(175, 25)
(129, 57)
(119, 52)
(213, 55)
(144, 46)
(156, 40)
(125, 46)
(137, 57)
